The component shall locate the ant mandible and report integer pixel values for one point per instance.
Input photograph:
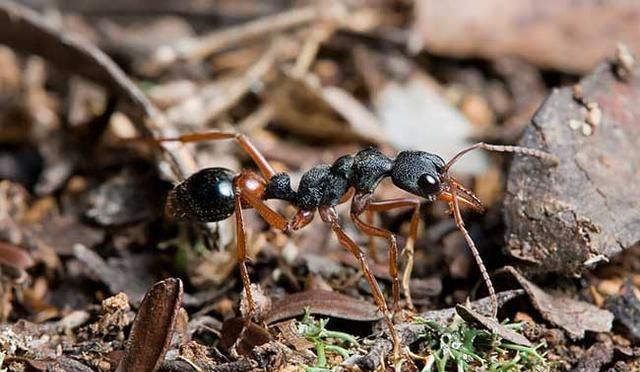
(215, 194)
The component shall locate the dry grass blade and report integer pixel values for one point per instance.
(153, 327)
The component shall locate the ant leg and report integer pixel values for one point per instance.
(265, 168)
(371, 243)
(385, 205)
(329, 216)
(241, 248)
(457, 217)
(362, 203)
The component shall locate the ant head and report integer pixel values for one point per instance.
(419, 173)
(425, 175)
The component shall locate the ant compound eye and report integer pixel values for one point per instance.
(429, 184)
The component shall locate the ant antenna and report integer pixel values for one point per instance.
(454, 204)
(503, 148)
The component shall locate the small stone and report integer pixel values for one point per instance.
(576, 124)
(587, 130)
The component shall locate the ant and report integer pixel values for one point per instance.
(215, 194)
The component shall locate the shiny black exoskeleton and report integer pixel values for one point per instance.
(208, 195)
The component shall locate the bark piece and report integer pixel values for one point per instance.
(568, 35)
(153, 327)
(566, 218)
(575, 317)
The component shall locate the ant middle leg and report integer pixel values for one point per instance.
(363, 203)
(329, 216)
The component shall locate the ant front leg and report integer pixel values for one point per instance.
(241, 249)
(362, 203)
(248, 188)
(330, 217)
(263, 164)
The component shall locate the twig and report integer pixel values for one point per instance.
(195, 49)
(254, 74)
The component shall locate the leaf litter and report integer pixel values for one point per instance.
(92, 269)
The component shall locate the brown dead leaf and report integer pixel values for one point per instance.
(323, 303)
(573, 316)
(153, 327)
(252, 335)
(289, 334)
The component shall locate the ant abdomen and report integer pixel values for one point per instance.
(206, 196)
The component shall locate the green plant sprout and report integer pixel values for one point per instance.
(324, 340)
(460, 347)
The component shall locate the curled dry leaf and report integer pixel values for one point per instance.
(568, 35)
(153, 327)
(490, 324)
(565, 219)
(573, 316)
(323, 303)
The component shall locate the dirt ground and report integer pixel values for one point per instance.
(110, 261)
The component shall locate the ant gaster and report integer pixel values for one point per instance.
(215, 194)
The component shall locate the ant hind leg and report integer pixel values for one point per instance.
(263, 164)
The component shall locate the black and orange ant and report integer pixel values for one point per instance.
(215, 194)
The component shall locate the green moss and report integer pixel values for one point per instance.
(461, 347)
